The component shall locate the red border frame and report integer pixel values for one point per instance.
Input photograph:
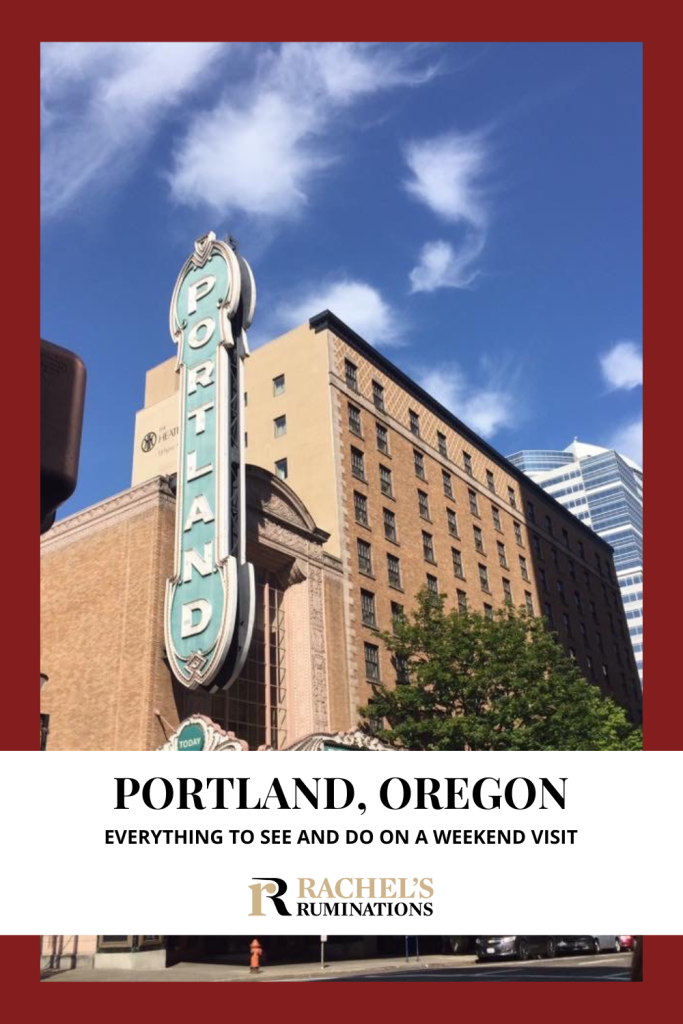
(663, 714)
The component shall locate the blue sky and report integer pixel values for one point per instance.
(472, 209)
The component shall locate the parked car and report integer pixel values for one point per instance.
(517, 947)
(625, 942)
(585, 943)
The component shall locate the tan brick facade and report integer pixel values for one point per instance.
(103, 576)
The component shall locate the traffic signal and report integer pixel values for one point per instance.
(62, 395)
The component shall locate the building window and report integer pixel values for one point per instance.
(536, 540)
(560, 590)
(495, 514)
(280, 426)
(549, 525)
(378, 395)
(246, 439)
(594, 612)
(389, 524)
(382, 438)
(372, 663)
(572, 568)
(351, 374)
(462, 601)
(531, 512)
(281, 469)
(582, 630)
(44, 730)
(587, 578)
(553, 553)
(402, 670)
(357, 464)
(474, 503)
(442, 444)
(577, 599)
(447, 483)
(502, 556)
(432, 584)
(364, 557)
(360, 507)
(452, 522)
(523, 567)
(511, 497)
(385, 481)
(518, 533)
(589, 662)
(397, 615)
(507, 590)
(488, 611)
(354, 420)
(582, 553)
(549, 614)
(279, 384)
(567, 624)
(529, 602)
(467, 463)
(367, 604)
(428, 546)
(246, 399)
(478, 539)
(394, 571)
(484, 578)
(543, 578)
(490, 482)
(419, 464)
(423, 504)
(565, 537)
(414, 422)
(457, 563)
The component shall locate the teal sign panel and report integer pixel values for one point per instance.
(209, 607)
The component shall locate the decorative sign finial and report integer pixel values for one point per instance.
(209, 613)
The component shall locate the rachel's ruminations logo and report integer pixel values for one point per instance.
(274, 890)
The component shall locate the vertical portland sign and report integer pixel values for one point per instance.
(209, 612)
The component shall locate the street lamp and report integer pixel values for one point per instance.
(43, 679)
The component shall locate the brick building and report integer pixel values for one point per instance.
(410, 497)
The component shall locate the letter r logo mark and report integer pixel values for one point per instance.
(274, 890)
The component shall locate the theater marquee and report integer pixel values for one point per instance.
(209, 612)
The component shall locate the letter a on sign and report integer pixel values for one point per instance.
(209, 612)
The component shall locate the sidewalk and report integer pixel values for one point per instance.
(278, 972)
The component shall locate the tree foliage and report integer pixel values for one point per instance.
(500, 683)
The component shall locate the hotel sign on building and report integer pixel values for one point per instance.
(209, 610)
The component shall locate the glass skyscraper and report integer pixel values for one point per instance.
(605, 490)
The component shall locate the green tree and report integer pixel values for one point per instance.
(500, 683)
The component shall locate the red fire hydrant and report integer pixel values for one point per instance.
(255, 960)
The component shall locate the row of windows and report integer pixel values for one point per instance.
(351, 378)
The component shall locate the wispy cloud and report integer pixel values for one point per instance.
(622, 366)
(441, 266)
(447, 174)
(628, 440)
(488, 408)
(269, 140)
(101, 104)
(357, 303)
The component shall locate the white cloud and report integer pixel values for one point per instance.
(622, 366)
(101, 104)
(356, 303)
(628, 440)
(487, 409)
(447, 173)
(259, 150)
(441, 266)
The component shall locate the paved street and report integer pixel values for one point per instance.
(606, 967)
(609, 967)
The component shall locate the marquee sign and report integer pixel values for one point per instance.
(198, 733)
(209, 612)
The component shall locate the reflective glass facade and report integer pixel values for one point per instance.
(605, 490)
